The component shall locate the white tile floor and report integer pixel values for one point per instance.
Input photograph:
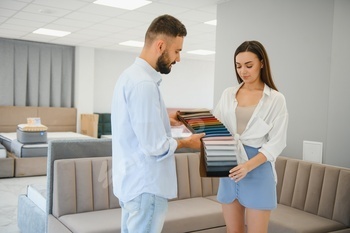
(10, 188)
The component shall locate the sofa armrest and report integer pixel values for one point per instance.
(30, 218)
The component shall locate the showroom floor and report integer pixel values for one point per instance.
(10, 188)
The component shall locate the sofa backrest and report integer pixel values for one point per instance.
(189, 182)
(319, 189)
(72, 149)
(81, 185)
(85, 184)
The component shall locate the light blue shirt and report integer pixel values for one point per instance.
(143, 149)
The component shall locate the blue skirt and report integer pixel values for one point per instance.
(257, 190)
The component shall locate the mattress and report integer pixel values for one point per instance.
(27, 137)
(10, 142)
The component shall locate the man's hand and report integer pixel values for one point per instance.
(193, 141)
(174, 121)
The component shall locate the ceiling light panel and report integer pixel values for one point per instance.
(51, 32)
(126, 5)
(132, 43)
(201, 52)
(211, 22)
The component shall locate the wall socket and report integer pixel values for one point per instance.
(312, 151)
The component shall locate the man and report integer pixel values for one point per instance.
(144, 172)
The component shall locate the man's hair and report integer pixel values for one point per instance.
(165, 25)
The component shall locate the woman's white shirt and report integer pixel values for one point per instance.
(266, 129)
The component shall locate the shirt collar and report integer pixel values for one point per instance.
(157, 78)
(267, 89)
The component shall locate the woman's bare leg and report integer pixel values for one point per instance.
(257, 220)
(234, 217)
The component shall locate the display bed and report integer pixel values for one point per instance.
(30, 160)
(9, 140)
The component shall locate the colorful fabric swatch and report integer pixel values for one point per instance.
(218, 153)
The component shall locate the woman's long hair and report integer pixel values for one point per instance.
(258, 49)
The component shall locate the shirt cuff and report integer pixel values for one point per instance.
(171, 150)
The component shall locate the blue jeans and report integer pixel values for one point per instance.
(144, 214)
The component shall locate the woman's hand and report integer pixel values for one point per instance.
(239, 172)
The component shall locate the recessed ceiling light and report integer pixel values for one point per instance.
(201, 52)
(123, 4)
(132, 43)
(211, 22)
(51, 32)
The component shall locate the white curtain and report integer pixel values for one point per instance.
(36, 74)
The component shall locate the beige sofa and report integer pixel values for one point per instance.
(311, 197)
(83, 200)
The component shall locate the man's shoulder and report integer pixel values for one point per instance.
(134, 74)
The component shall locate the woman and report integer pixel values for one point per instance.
(256, 114)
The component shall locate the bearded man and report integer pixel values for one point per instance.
(143, 163)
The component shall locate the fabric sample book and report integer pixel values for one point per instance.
(218, 150)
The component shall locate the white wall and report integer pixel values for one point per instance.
(337, 149)
(189, 84)
(307, 47)
(84, 81)
(108, 66)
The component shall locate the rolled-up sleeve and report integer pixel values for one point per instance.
(277, 137)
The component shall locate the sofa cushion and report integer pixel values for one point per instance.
(102, 221)
(193, 214)
(183, 216)
(291, 220)
(347, 230)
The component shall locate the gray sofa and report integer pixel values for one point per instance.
(311, 197)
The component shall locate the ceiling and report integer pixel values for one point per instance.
(103, 27)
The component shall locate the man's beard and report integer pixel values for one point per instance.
(163, 63)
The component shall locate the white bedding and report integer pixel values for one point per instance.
(50, 135)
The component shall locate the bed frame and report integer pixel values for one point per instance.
(57, 119)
